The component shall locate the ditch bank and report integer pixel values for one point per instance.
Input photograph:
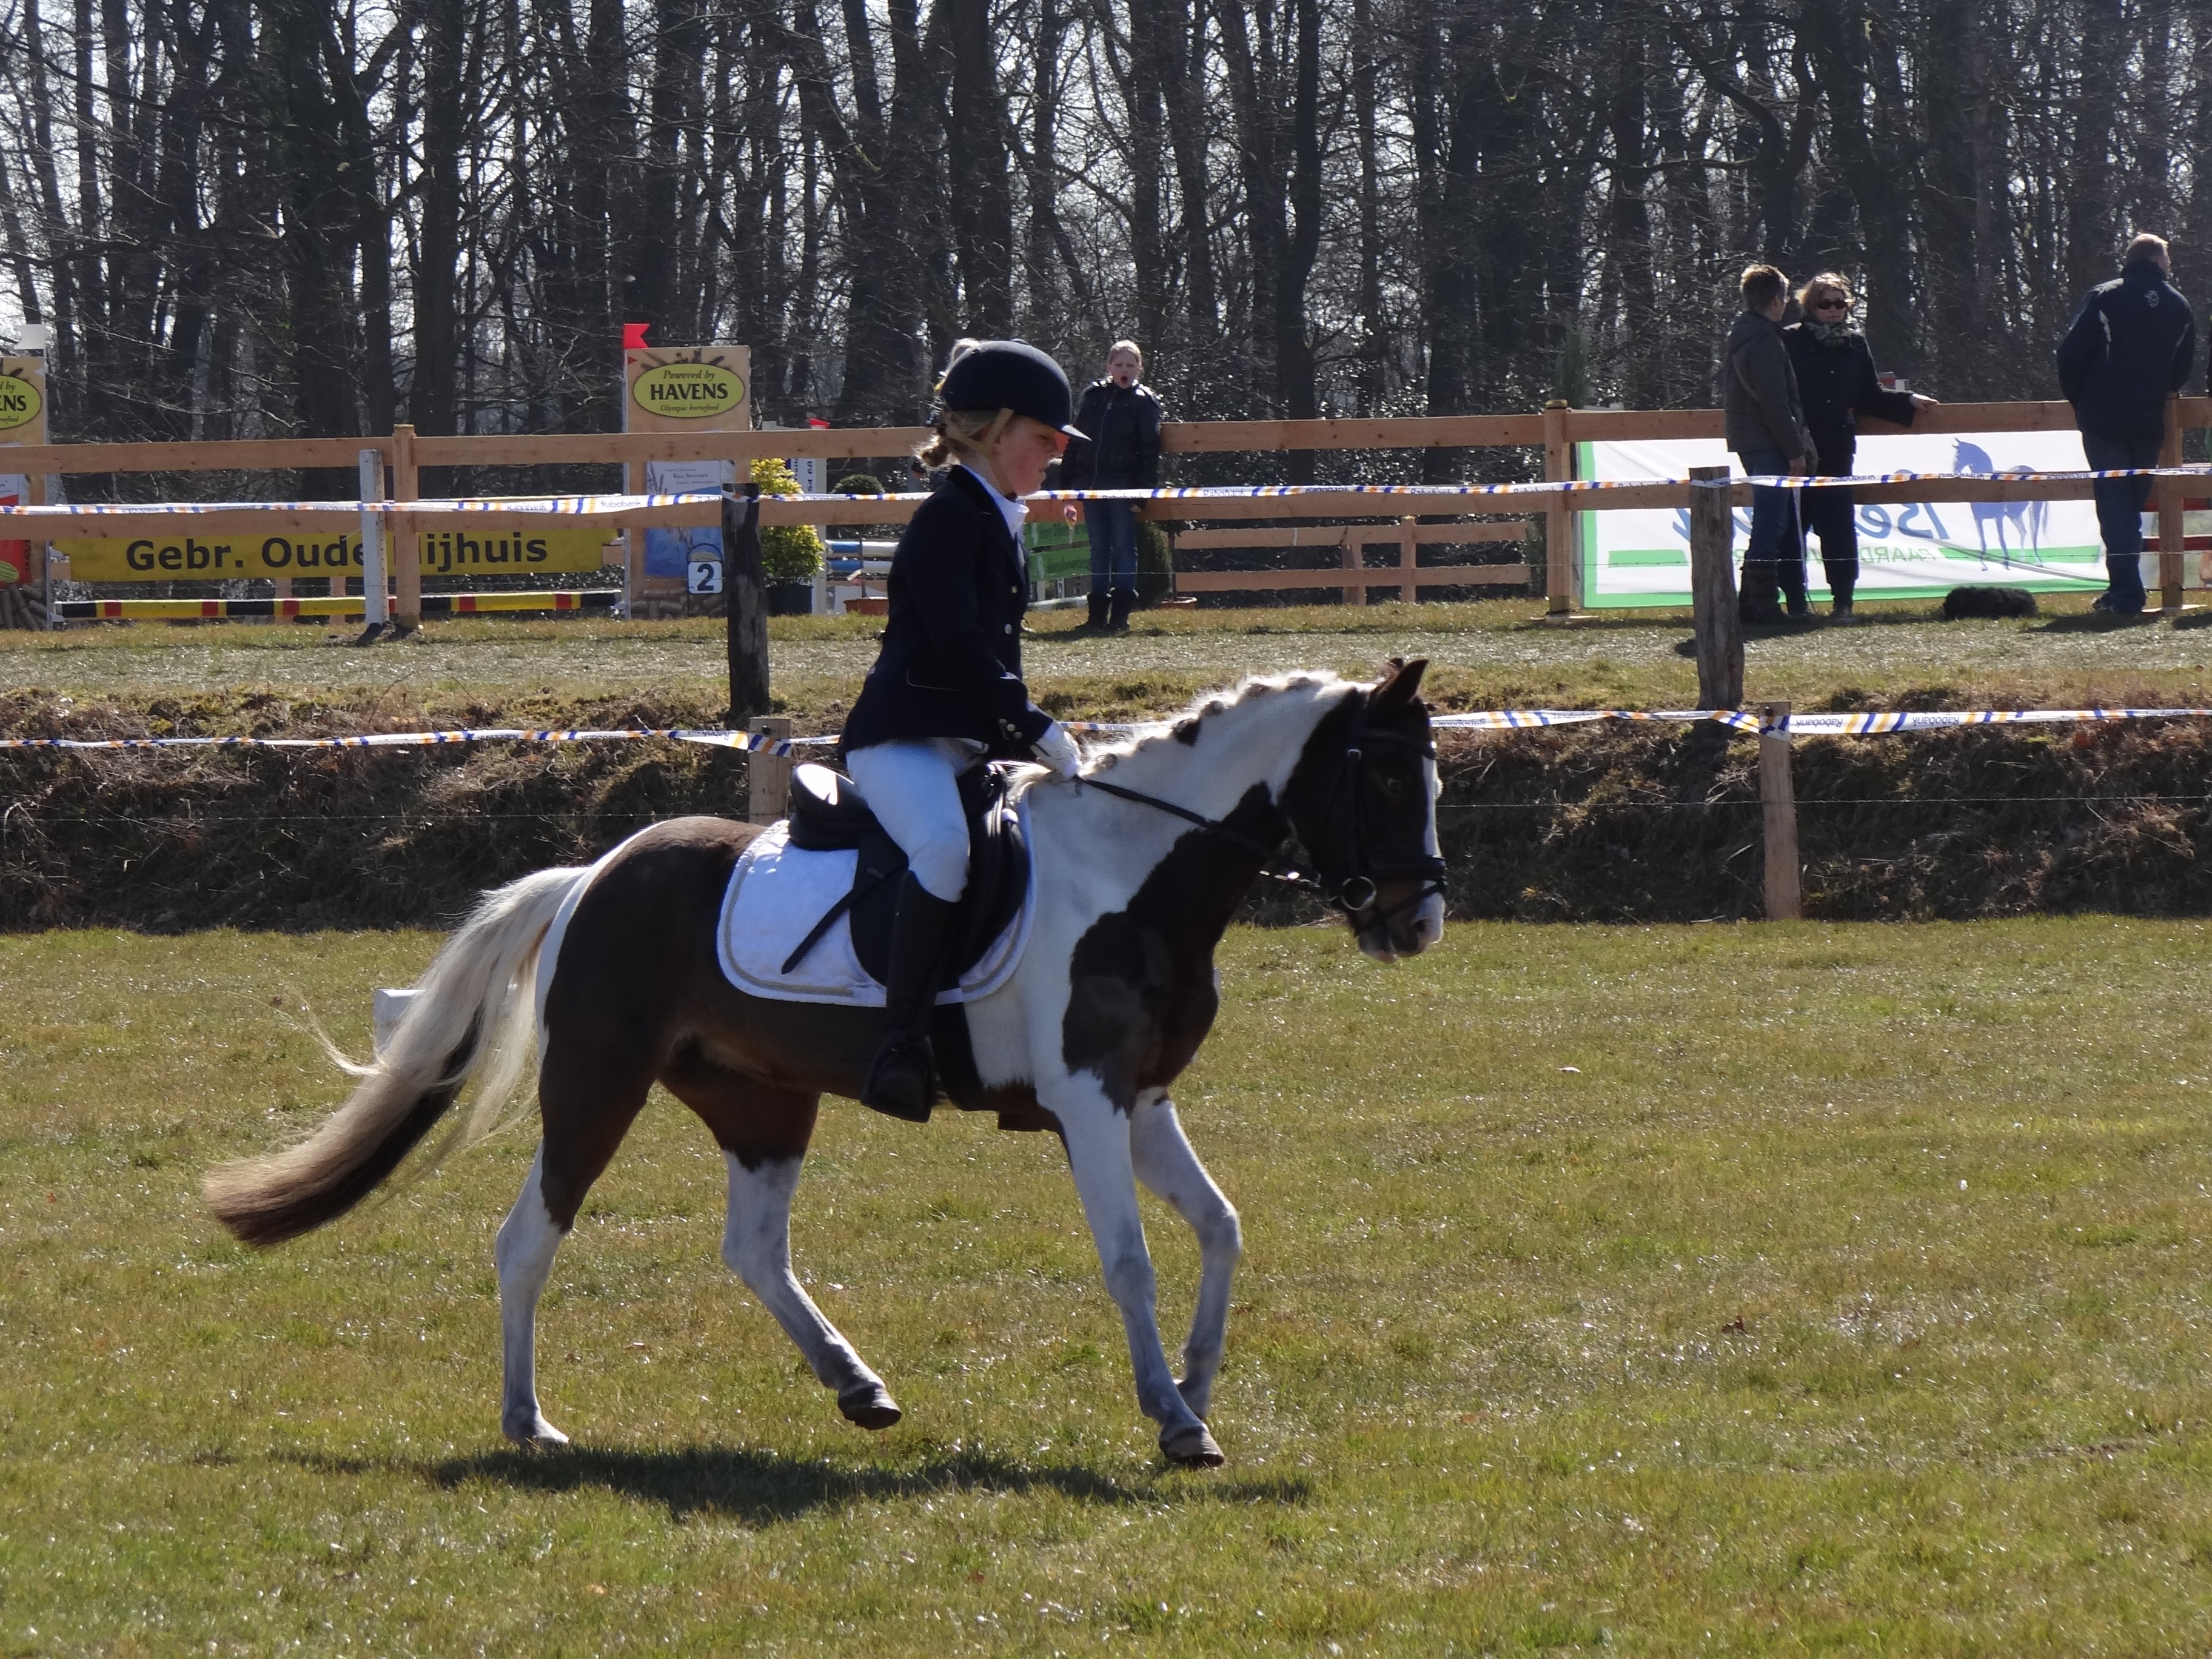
(1607, 823)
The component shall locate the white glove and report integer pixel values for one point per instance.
(1057, 749)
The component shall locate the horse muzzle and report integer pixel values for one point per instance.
(1387, 930)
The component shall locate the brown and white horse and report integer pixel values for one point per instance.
(1140, 864)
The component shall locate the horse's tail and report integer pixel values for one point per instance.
(476, 1004)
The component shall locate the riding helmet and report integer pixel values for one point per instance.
(1009, 375)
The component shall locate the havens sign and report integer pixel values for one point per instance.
(19, 402)
(688, 392)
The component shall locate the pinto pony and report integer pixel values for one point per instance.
(1140, 864)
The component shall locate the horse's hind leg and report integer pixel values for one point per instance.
(763, 1132)
(1169, 1168)
(525, 1250)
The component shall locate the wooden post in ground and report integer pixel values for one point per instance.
(1779, 802)
(1355, 558)
(1712, 591)
(1409, 559)
(2171, 571)
(745, 593)
(406, 544)
(1560, 570)
(767, 777)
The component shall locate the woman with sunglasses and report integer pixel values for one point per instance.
(1836, 380)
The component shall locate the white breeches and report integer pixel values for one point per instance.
(909, 783)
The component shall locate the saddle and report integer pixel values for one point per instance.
(828, 814)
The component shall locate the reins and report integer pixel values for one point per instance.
(1213, 826)
(1353, 893)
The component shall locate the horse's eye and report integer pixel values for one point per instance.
(1393, 785)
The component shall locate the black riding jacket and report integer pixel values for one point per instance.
(952, 660)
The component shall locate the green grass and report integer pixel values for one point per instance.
(1495, 653)
(1768, 1289)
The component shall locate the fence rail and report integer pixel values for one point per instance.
(1557, 430)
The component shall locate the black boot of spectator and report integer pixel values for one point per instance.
(1125, 601)
(1097, 618)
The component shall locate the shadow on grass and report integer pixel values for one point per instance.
(760, 1487)
(2094, 622)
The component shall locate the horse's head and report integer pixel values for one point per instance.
(1363, 803)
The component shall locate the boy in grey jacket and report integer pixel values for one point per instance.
(1766, 430)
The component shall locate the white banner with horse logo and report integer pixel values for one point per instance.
(1641, 557)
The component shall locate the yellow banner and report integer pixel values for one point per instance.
(497, 549)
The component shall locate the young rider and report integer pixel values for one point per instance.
(946, 691)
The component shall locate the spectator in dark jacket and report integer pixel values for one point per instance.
(1122, 452)
(1836, 384)
(1766, 430)
(2128, 350)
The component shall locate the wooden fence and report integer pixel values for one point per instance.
(1555, 431)
(1351, 543)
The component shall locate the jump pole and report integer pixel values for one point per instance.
(377, 611)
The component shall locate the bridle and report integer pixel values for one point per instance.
(1352, 893)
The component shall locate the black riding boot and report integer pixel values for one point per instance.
(1125, 601)
(902, 1078)
(1097, 618)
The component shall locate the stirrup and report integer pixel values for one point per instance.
(902, 1078)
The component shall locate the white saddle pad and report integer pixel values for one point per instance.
(777, 895)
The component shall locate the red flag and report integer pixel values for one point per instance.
(816, 421)
(633, 336)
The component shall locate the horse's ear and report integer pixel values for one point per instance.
(1400, 685)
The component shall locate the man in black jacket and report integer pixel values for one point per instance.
(1765, 427)
(1122, 452)
(2128, 350)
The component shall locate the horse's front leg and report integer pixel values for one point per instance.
(1169, 1168)
(1097, 1138)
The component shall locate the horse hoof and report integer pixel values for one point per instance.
(870, 1405)
(1192, 1448)
(534, 1433)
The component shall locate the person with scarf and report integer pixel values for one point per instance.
(1836, 383)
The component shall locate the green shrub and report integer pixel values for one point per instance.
(1155, 562)
(858, 483)
(789, 552)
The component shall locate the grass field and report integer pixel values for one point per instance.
(1769, 1288)
(1495, 653)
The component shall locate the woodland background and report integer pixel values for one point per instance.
(263, 217)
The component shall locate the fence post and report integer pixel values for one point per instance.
(767, 777)
(1779, 802)
(373, 610)
(407, 545)
(2170, 571)
(1355, 559)
(1561, 575)
(1713, 592)
(1409, 559)
(744, 592)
